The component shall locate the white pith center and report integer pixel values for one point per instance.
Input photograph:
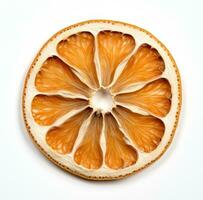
(102, 101)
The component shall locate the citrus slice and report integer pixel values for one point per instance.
(102, 99)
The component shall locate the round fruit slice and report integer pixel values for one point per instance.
(102, 99)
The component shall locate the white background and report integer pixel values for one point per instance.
(26, 25)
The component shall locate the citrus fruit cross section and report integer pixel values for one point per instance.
(102, 99)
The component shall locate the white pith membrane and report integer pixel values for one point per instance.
(102, 101)
(102, 108)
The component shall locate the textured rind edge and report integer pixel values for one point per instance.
(176, 116)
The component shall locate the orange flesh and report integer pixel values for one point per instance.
(144, 65)
(118, 153)
(47, 109)
(113, 47)
(89, 153)
(62, 138)
(145, 131)
(154, 97)
(56, 76)
(78, 51)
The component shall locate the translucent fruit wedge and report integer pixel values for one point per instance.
(102, 99)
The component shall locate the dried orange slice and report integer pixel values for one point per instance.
(102, 99)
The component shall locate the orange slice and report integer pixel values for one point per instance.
(55, 76)
(145, 131)
(119, 154)
(78, 50)
(89, 153)
(154, 97)
(47, 109)
(113, 48)
(144, 65)
(102, 99)
(62, 138)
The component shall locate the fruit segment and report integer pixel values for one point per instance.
(113, 47)
(144, 65)
(145, 131)
(63, 137)
(118, 154)
(47, 109)
(89, 153)
(78, 50)
(56, 76)
(154, 97)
